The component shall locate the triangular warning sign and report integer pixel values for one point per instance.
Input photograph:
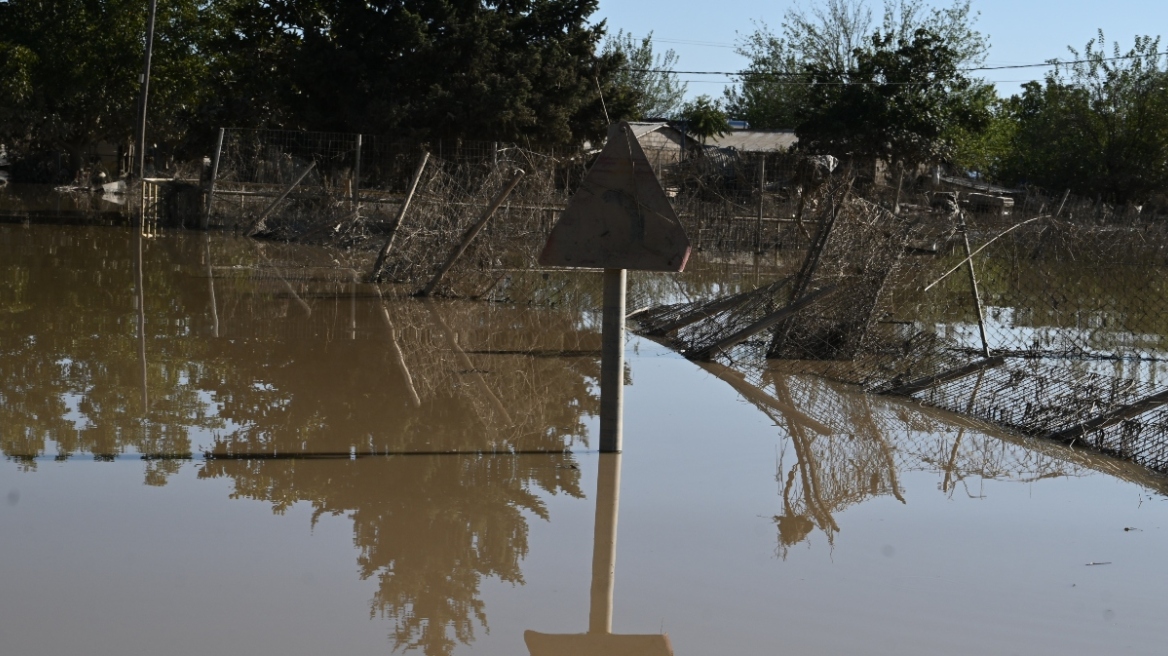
(620, 217)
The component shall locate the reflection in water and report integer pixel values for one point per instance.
(266, 360)
(830, 472)
(254, 353)
(428, 528)
(849, 447)
(71, 372)
(599, 640)
(263, 360)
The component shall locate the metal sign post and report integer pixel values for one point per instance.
(619, 219)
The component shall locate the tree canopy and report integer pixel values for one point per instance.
(703, 118)
(515, 70)
(1098, 125)
(772, 90)
(507, 69)
(70, 70)
(648, 78)
(899, 101)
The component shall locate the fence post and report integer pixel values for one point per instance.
(761, 191)
(206, 223)
(985, 342)
(1063, 203)
(375, 275)
(258, 226)
(471, 234)
(357, 177)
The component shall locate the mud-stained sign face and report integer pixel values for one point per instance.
(620, 217)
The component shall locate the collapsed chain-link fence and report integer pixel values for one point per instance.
(1043, 326)
(1042, 313)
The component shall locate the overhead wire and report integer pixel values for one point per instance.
(972, 69)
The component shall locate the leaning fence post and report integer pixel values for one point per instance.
(258, 225)
(1063, 203)
(211, 186)
(357, 177)
(375, 275)
(985, 343)
(471, 233)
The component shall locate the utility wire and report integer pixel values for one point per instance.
(1046, 64)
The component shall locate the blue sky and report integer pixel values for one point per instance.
(703, 33)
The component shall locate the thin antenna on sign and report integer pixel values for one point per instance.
(602, 106)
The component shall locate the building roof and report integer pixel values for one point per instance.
(641, 128)
(755, 141)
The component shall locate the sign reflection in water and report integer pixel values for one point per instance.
(600, 641)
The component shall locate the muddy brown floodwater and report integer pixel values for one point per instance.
(285, 462)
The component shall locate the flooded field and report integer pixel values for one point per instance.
(250, 452)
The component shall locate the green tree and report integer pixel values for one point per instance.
(899, 102)
(656, 91)
(703, 118)
(1097, 126)
(772, 90)
(428, 69)
(71, 69)
(987, 150)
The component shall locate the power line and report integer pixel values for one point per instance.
(1056, 62)
(1046, 64)
(704, 44)
(803, 83)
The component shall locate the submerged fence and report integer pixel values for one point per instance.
(1043, 326)
(353, 191)
(1041, 313)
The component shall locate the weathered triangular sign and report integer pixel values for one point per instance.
(620, 217)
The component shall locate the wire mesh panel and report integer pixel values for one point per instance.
(1073, 317)
(1056, 289)
(453, 197)
(287, 179)
(856, 250)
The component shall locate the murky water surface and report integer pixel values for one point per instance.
(284, 462)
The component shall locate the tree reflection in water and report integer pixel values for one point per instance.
(264, 362)
(428, 528)
(257, 354)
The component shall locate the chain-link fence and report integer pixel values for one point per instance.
(354, 191)
(1042, 313)
(1042, 325)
